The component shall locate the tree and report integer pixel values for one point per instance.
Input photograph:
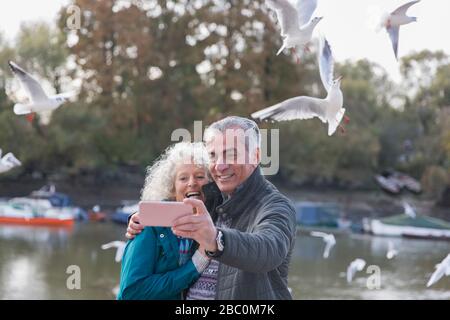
(40, 49)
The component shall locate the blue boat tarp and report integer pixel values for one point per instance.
(120, 217)
(317, 214)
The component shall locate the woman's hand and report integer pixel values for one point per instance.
(134, 227)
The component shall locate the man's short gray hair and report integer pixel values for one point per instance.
(249, 127)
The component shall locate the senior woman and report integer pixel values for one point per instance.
(157, 264)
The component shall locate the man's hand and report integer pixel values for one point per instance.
(134, 228)
(199, 226)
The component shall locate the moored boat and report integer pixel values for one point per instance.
(395, 182)
(38, 212)
(320, 215)
(121, 214)
(58, 200)
(38, 221)
(406, 226)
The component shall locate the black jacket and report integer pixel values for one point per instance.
(258, 241)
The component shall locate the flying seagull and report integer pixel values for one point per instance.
(8, 162)
(329, 240)
(392, 22)
(39, 101)
(329, 110)
(355, 266)
(442, 269)
(409, 211)
(296, 23)
(119, 245)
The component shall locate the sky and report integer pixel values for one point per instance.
(348, 25)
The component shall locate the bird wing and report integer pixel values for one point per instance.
(326, 63)
(447, 271)
(328, 246)
(30, 84)
(119, 252)
(111, 244)
(351, 270)
(107, 246)
(305, 10)
(446, 263)
(360, 264)
(295, 108)
(120, 247)
(441, 269)
(21, 109)
(318, 234)
(333, 123)
(11, 160)
(409, 211)
(402, 9)
(438, 274)
(286, 14)
(393, 34)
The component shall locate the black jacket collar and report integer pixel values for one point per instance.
(238, 201)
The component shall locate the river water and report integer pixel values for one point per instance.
(35, 264)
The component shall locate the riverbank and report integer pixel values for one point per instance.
(374, 204)
(355, 204)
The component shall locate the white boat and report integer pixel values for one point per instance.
(406, 226)
(35, 212)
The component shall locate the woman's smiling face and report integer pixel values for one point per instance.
(189, 179)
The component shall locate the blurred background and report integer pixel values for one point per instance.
(145, 68)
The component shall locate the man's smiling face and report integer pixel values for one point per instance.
(230, 161)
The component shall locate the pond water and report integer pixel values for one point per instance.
(34, 263)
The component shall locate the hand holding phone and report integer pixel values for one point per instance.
(162, 213)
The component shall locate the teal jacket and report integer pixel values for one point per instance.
(150, 267)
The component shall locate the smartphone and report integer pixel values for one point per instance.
(162, 213)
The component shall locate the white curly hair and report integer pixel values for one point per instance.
(160, 180)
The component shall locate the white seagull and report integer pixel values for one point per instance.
(392, 252)
(296, 23)
(8, 162)
(355, 266)
(329, 240)
(329, 110)
(409, 211)
(38, 99)
(120, 245)
(442, 269)
(392, 22)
